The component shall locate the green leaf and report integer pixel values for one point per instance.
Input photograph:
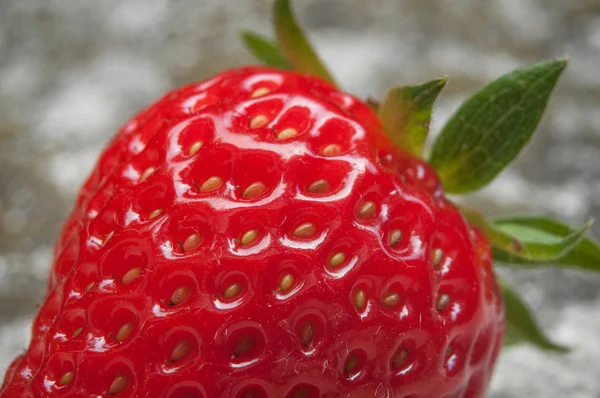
(293, 43)
(585, 254)
(406, 114)
(490, 129)
(538, 250)
(521, 326)
(264, 50)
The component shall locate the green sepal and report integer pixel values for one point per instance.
(264, 50)
(585, 254)
(293, 43)
(537, 250)
(521, 326)
(490, 128)
(406, 114)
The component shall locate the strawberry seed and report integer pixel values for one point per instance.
(259, 92)
(119, 384)
(360, 299)
(191, 242)
(394, 237)
(399, 358)
(194, 148)
(211, 184)
(367, 210)
(331, 150)
(110, 235)
(131, 275)
(305, 230)
(287, 133)
(147, 173)
(124, 331)
(258, 121)
(179, 295)
(243, 346)
(351, 364)
(88, 287)
(249, 237)
(66, 378)
(319, 186)
(443, 302)
(253, 190)
(307, 334)
(181, 350)
(337, 259)
(155, 214)
(391, 299)
(286, 282)
(232, 291)
(437, 256)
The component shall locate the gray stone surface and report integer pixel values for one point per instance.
(72, 71)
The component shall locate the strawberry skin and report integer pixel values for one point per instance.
(256, 235)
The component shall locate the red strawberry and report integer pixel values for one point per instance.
(256, 235)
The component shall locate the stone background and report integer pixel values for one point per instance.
(72, 71)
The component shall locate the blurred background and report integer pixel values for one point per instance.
(71, 72)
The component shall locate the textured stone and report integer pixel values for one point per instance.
(72, 72)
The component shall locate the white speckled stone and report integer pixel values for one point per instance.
(73, 71)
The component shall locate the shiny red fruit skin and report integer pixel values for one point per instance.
(278, 312)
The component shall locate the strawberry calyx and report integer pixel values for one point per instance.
(294, 45)
(479, 141)
(265, 50)
(406, 114)
(512, 246)
(489, 129)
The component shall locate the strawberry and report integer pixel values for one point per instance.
(265, 234)
(256, 233)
